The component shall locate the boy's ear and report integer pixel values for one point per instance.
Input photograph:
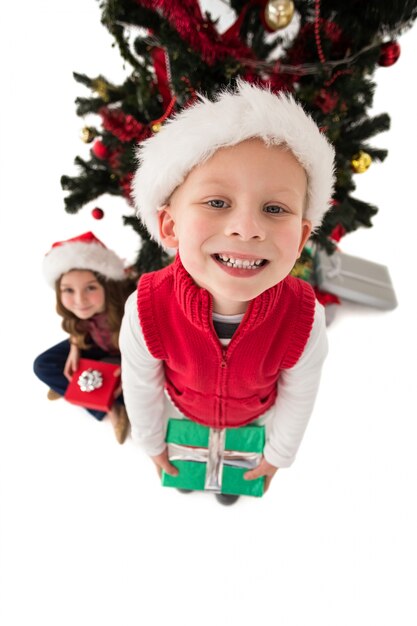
(166, 225)
(305, 234)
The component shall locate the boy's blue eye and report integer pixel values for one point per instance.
(274, 209)
(217, 204)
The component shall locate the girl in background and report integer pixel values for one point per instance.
(91, 289)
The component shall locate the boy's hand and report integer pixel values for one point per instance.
(162, 463)
(263, 469)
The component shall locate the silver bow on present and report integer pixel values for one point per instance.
(90, 379)
(215, 456)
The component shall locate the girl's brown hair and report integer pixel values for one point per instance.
(116, 294)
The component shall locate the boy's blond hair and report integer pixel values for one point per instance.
(192, 137)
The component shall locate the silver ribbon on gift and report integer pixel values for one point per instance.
(215, 456)
(90, 379)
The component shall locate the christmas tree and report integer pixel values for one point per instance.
(325, 52)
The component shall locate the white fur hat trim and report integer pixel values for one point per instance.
(192, 136)
(87, 254)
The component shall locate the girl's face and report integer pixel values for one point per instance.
(82, 294)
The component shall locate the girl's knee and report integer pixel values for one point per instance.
(45, 364)
(38, 365)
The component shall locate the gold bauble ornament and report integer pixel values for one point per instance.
(279, 13)
(156, 127)
(360, 162)
(88, 134)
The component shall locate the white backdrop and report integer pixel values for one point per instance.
(87, 535)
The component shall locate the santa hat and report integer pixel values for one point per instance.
(84, 252)
(193, 135)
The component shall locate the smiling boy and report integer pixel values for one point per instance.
(236, 186)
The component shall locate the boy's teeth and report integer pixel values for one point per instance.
(240, 263)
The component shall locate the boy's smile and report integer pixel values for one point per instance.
(238, 264)
(239, 215)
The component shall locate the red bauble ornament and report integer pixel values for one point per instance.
(97, 213)
(100, 150)
(389, 53)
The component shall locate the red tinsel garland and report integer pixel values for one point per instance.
(125, 127)
(326, 100)
(165, 115)
(199, 33)
(317, 21)
(114, 159)
(126, 187)
(159, 59)
(303, 48)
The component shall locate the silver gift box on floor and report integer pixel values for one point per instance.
(356, 279)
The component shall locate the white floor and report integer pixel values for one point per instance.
(88, 537)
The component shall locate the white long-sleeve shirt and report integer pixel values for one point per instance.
(148, 406)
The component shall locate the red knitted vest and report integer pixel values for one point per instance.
(211, 384)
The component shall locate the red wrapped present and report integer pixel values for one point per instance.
(93, 385)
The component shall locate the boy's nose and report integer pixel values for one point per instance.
(245, 224)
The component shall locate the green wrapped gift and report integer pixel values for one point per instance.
(214, 459)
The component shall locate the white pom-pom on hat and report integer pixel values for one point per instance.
(194, 134)
(84, 252)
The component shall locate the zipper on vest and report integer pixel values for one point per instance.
(222, 410)
(224, 359)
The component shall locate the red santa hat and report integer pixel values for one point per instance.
(84, 252)
(192, 137)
